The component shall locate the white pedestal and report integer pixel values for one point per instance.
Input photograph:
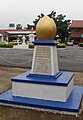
(45, 60)
(45, 92)
(44, 81)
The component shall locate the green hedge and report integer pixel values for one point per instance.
(3, 45)
(76, 42)
(31, 45)
(59, 40)
(14, 43)
(61, 45)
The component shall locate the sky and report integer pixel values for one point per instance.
(26, 11)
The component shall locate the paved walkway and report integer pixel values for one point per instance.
(21, 46)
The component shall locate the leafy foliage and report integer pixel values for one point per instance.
(31, 46)
(36, 20)
(62, 27)
(18, 26)
(61, 45)
(59, 40)
(3, 45)
(30, 26)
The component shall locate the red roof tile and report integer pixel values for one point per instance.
(76, 24)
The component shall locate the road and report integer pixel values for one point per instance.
(70, 58)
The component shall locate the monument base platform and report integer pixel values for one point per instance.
(46, 87)
(71, 106)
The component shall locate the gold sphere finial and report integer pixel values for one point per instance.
(46, 28)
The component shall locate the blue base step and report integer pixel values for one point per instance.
(72, 104)
(60, 79)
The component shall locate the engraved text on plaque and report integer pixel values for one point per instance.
(42, 61)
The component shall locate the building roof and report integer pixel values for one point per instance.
(12, 31)
(2, 31)
(20, 32)
(76, 24)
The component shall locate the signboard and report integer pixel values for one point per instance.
(81, 35)
(11, 25)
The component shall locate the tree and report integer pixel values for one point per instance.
(62, 27)
(36, 20)
(30, 26)
(62, 24)
(18, 26)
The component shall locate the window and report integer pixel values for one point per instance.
(77, 30)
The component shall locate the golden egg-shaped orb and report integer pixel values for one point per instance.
(46, 28)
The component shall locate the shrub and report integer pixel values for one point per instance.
(59, 40)
(76, 42)
(61, 45)
(3, 45)
(31, 45)
(14, 43)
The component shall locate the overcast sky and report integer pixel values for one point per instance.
(25, 11)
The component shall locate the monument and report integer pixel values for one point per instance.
(31, 37)
(18, 40)
(23, 45)
(24, 38)
(44, 87)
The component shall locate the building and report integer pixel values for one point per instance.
(10, 35)
(76, 28)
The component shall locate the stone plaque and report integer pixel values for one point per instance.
(42, 61)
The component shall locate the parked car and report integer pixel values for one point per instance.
(70, 43)
(80, 44)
